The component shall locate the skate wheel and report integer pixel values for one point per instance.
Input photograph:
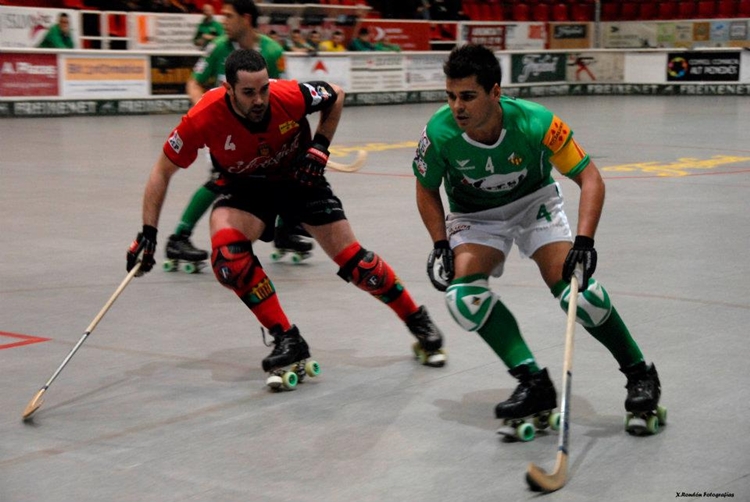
(652, 424)
(436, 359)
(190, 268)
(289, 380)
(312, 368)
(297, 258)
(541, 422)
(525, 432)
(628, 417)
(554, 421)
(661, 413)
(169, 266)
(274, 381)
(277, 255)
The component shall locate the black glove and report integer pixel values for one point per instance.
(312, 164)
(440, 265)
(582, 252)
(145, 241)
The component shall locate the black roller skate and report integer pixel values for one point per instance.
(642, 403)
(290, 349)
(290, 241)
(181, 251)
(428, 347)
(534, 399)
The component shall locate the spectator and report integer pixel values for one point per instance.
(274, 35)
(313, 40)
(59, 35)
(297, 43)
(384, 44)
(335, 44)
(363, 42)
(208, 29)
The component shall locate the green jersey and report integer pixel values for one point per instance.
(209, 70)
(212, 27)
(56, 39)
(479, 176)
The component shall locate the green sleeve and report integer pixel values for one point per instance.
(428, 166)
(207, 68)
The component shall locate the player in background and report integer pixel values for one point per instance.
(240, 23)
(268, 164)
(494, 156)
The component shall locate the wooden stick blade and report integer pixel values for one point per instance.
(33, 405)
(358, 163)
(538, 479)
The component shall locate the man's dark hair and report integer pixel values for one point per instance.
(243, 60)
(245, 7)
(474, 59)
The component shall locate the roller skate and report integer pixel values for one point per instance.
(642, 403)
(290, 350)
(530, 406)
(428, 347)
(291, 242)
(180, 251)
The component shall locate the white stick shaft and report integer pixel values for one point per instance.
(96, 320)
(567, 380)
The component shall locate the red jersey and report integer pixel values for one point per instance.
(242, 148)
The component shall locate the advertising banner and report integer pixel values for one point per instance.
(333, 69)
(170, 73)
(165, 32)
(570, 36)
(533, 68)
(92, 76)
(596, 67)
(629, 35)
(27, 27)
(525, 36)
(372, 72)
(425, 71)
(28, 75)
(409, 35)
(487, 34)
(708, 66)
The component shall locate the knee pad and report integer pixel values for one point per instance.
(594, 305)
(236, 267)
(470, 303)
(369, 272)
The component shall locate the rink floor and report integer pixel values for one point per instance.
(166, 399)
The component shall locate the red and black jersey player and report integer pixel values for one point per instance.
(258, 134)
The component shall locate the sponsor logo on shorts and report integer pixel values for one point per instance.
(318, 94)
(458, 227)
(175, 142)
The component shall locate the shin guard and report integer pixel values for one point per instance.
(237, 268)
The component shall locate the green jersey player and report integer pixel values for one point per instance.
(240, 26)
(494, 156)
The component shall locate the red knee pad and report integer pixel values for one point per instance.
(371, 273)
(236, 267)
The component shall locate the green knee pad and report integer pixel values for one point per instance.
(594, 306)
(470, 301)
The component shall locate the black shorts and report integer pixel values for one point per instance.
(294, 202)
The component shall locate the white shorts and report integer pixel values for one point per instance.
(530, 222)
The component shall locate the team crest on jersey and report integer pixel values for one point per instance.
(287, 126)
(264, 149)
(175, 142)
(424, 143)
(497, 182)
(515, 159)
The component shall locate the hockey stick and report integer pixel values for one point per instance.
(350, 168)
(36, 401)
(536, 477)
